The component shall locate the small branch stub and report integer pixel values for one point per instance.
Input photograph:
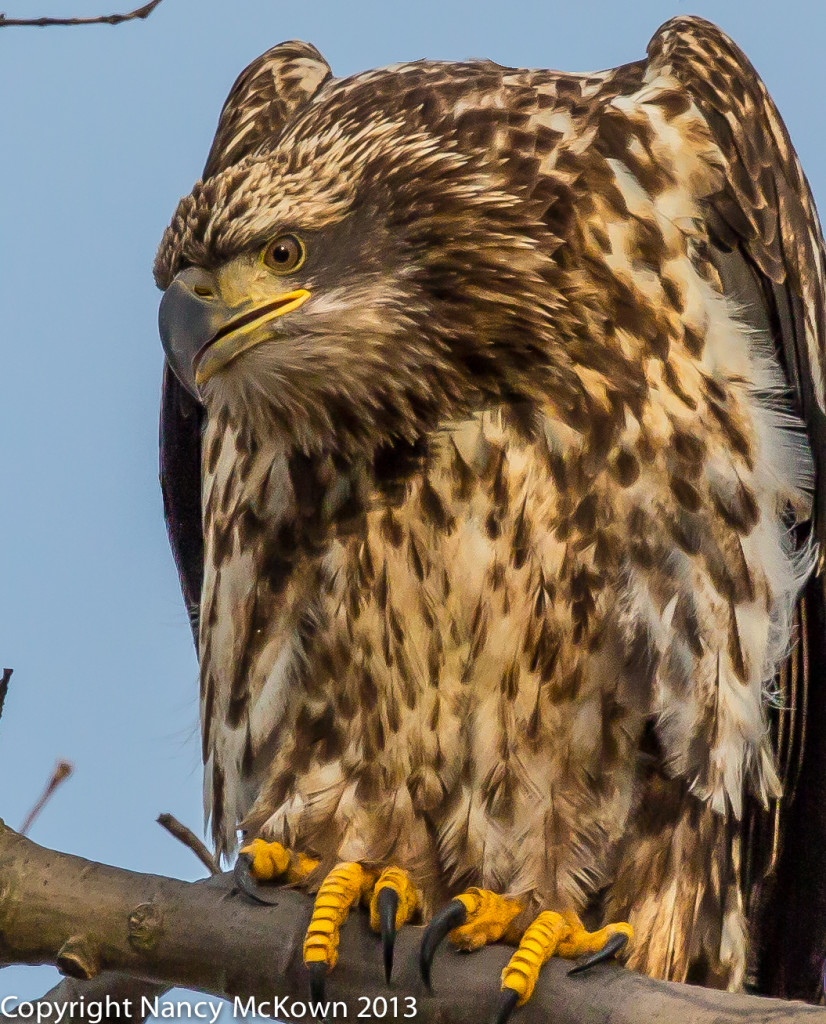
(62, 771)
(78, 957)
(145, 927)
(190, 840)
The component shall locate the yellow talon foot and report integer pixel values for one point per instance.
(471, 920)
(488, 917)
(345, 884)
(550, 935)
(578, 941)
(272, 861)
(398, 881)
(541, 940)
(260, 861)
(392, 904)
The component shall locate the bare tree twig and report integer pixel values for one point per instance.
(88, 918)
(189, 839)
(62, 771)
(4, 687)
(103, 19)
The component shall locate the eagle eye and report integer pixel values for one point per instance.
(285, 254)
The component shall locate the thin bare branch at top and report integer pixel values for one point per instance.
(103, 19)
(4, 687)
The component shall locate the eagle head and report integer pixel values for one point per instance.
(367, 272)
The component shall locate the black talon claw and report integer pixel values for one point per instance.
(318, 981)
(388, 905)
(609, 950)
(449, 917)
(507, 1004)
(245, 883)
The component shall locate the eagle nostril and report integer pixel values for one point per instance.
(204, 293)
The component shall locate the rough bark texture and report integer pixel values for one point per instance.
(88, 919)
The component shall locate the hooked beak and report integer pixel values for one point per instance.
(201, 334)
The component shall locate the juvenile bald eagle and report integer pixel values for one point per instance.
(492, 444)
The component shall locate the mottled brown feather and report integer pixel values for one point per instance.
(498, 571)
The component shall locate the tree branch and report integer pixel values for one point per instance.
(88, 918)
(103, 19)
(189, 839)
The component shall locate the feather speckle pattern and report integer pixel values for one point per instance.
(505, 528)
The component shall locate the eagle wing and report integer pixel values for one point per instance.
(263, 99)
(768, 248)
(180, 471)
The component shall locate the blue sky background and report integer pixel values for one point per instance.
(102, 130)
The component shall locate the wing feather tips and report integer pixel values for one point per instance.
(180, 475)
(765, 215)
(766, 202)
(263, 98)
(788, 905)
